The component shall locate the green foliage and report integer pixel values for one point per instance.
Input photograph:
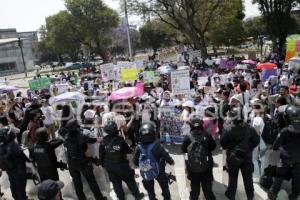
(278, 20)
(155, 34)
(85, 23)
(254, 27)
(120, 41)
(227, 29)
(96, 21)
(193, 18)
(63, 35)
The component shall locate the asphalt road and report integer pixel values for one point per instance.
(179, 190)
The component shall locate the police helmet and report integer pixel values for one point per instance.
(293, 118)
(147, 133)
(111, 128)
(72, 128)
(72, 125)
(195, 122)
(42, 134)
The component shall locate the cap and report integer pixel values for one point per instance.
(89, 114)
(49, 189)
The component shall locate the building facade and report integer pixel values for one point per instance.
(10, 51)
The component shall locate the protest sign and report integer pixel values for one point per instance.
(40, 83)
(125, 64)
(227, 64)
(195, 54)
(139, 64)
(292, 47)
(149, 76)
(202, 81)
(180, 82)
(129, 74)
(108, 72)
(171, 124)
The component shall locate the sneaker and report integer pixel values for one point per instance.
(228, 196)
(272, 195)
(293, 197)
(141, 196)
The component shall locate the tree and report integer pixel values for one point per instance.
(254, 27)
(193, 18)
(96, 21)
(63, 35)
(227, 28)
(120, 40)
(154, 34)
(278, 19)
(44, 53)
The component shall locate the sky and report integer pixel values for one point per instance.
(29, 15)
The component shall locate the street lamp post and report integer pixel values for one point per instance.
(128, 31)
(20, 44)
(261, 44)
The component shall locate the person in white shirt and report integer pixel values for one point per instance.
(244, 95)
(49, 116)
(116, 116)
(258, 124)
(187, 112)
(88, 129)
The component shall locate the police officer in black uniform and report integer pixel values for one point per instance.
(112, 152)
(76, 144)
(288, 142)
(44, 155)
(147, 136)
(206, 177)
(239, 139)
(14, 160)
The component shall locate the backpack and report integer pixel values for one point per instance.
(73, 148)
(149, 167)
(240, 151)
(270, 131)
(199, 159)
(6, 162)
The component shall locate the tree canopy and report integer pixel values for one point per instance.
(227, 28)
(193, 18)
(85, 23)
(96, 21)
(278, 20)
(255, 27)
(154, 34)
(63, 34)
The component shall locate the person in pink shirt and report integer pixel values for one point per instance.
(33, 125)
(210, 122)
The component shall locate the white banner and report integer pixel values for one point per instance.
(107, 72)
(180, 82)
(194, 54)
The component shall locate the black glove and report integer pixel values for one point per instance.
(61, 165)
